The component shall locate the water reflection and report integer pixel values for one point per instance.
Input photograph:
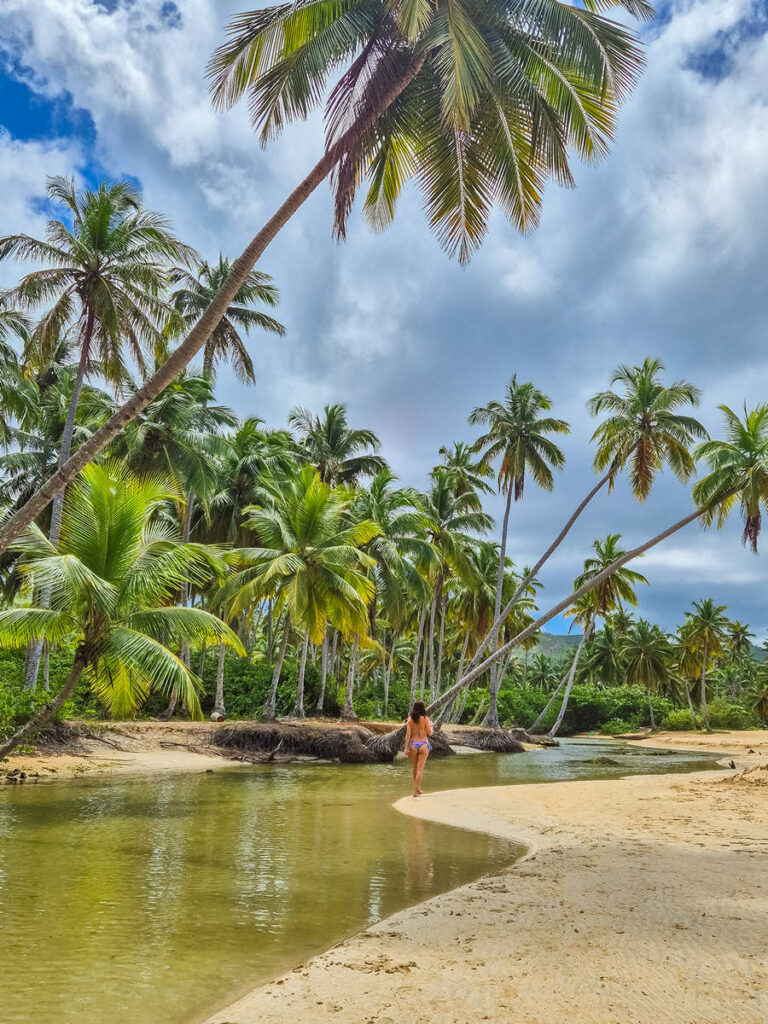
(140, 902)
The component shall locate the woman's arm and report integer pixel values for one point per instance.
(407, 737)
(430, 728)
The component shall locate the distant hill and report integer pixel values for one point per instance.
(553, 646)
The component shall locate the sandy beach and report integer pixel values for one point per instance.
(640, 900)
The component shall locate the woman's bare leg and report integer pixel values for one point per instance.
(414, 763)
(418, 769)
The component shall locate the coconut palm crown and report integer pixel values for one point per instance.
(480, 101)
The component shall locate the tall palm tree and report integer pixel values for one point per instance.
(339, 453)
(193, 293)
(647, 656)
(738, 471)
(454, 525)
(645, 431)
(707, 633)
(309, 559)
(480, 102)
(518, 438)
(111, 579)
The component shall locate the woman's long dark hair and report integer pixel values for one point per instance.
(418, 711)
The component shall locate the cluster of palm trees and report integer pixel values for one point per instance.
(707, 650)
(306, 538)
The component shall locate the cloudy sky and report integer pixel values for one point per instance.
(662, 250)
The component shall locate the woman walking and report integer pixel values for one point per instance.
(417, 745)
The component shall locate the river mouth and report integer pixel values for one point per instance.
(158, 900)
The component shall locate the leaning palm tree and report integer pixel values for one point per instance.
(193, 293)
(341, 454)
(481, 102)
(738, 471)
(644, 432)
(309, 559)
(707, 632)
(518, 438)
(647, 655)
(111, 579)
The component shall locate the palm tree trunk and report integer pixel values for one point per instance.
(499, 619)
(269, 710)
(703, 691)
(650, 711)
(298, 711)
(185, 588)
(201, 661)
(46, 666)
(549, 704)
(416, 652)
(447, 711)
(694, 719)
(324, 673)
(270, 638)
(425, 650)
(477, 670)
(439, 680)
(46, 713)
(349, 712)
(35, 648)
(431, 640)
(218, 703)
(388, 674)
(569, 684)
(210, 319)
(491, 720)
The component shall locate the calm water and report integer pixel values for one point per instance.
(158, 901)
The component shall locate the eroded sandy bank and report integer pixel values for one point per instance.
(642, 900)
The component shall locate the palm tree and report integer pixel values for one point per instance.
(738, 471)
(606, 597)
(105, 274)
(111, 580)
(339, 453)
(469, 474)
(479, 102)
(193, 294)
(453, 526)
(707, 633)
(180, 435)
(251, 454)
(309, 559)
(517, 436)
(647, 656)
(740, 638)
(645, 431)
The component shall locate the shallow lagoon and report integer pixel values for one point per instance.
(158, 900)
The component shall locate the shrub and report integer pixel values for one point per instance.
(617, 726)
(678, 720)
(724, 714)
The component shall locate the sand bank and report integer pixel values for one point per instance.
(641, 900)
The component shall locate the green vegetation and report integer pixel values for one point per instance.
(212, 566)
